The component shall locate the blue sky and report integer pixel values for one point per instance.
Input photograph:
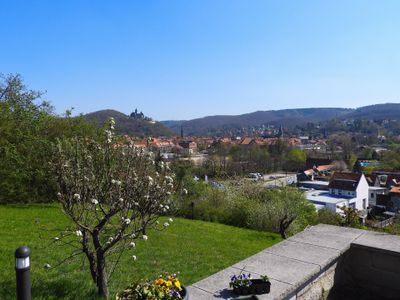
(188, 59)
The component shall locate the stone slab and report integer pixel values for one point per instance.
(297, 261)
(328, 236)
(308, 253)
(217, 286)
(283, 269)
(196, 293)
(380, 241)
(218, 282)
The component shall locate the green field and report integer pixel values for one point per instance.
(194, 248)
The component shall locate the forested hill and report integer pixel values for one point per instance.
(287, 117)
(129, 125)
(387, 111)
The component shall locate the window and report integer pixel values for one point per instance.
(372, 195)
(364, 203)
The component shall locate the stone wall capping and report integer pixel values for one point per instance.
(299, 264)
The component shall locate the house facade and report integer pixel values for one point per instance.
(344, 189)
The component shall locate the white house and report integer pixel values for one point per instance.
(345, 189)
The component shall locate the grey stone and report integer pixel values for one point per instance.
(379, 240)
(280, 268)
(328, 236)
(217, 283)
(318, 255)
(196, 293)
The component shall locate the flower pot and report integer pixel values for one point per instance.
(184, 293)
(257, 286)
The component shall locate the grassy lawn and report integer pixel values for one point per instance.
(194, 248)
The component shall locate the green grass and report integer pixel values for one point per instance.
(194, 248)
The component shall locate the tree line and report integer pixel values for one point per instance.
(28, 129)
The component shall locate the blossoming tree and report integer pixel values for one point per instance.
(112, 191)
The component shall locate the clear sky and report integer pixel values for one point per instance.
(187, 59)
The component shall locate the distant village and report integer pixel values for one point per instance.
(327, 181)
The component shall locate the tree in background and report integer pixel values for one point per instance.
(112, 192)
(28, 128)
(295, 160)
(23, 149)
(326, 216)
(349, 216)
(277, 209)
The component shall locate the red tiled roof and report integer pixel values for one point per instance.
(325, 168)
(246, 141)
(395, 189)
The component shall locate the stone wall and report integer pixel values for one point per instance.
(322, 262)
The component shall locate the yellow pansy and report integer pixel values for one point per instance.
(178, 284)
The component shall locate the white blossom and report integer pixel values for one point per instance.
(58, 194)
(56, 238)
(113, 181)
(134, 257)
(78, 233)
(170, 220)
(133, 235)
(77, 196)
(168, 193)
(95, 201)
(127, 221)
(46, 266)
(145, 237)
(132, 244)
(166, 224)
(185, 191)
(121, 199)
(166, 207)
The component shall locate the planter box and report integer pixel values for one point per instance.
(258, 286)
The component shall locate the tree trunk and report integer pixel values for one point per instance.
(101, 283)
(282, 230)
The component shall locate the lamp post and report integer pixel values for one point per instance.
(22, 269)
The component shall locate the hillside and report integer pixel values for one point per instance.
(388, 111)
(287, 117)
(128, 125)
